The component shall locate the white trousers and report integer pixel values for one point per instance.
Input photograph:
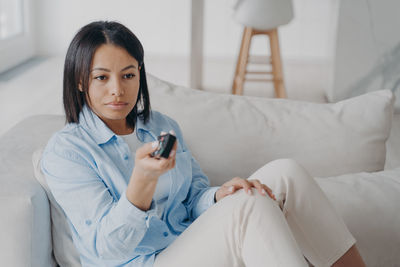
(254, 231)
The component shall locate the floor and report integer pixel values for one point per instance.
(36, 87)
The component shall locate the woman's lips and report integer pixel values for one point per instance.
(117, 105)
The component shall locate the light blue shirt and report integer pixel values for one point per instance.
(88, 167)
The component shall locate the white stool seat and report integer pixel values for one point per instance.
(263, 14)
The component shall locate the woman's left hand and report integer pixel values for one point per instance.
(238, 183)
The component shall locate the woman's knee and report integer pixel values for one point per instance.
(286, 169)
(241, 200)
(255, 202)
(286, 164)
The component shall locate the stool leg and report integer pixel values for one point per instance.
(241, 65)
(234, 85)
(276, 64)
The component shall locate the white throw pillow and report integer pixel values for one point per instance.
(369, 205)
(235, 135)
(63, 247)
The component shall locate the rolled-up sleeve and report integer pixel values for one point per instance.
(201, 195)
(109, 226)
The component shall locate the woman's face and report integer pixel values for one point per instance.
(113, 86)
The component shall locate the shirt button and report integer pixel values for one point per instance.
(126, 157)
(88, 222)
(165, 234)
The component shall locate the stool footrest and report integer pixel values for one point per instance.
(258, 80)
(259, 60)
(258, 72)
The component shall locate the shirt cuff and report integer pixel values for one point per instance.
(211, 195)
(128, 213)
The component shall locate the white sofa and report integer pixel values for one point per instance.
(343, 145)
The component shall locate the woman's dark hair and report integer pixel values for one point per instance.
(78, 63)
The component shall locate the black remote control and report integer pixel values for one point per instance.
(165, 144)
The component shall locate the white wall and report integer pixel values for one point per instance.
(308, 36)
(163, 26)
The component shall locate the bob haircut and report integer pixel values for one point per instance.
(78, 62)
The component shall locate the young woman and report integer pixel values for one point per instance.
(127, 208)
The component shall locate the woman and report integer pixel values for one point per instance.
(127, 208)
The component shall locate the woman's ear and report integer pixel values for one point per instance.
(80, 87)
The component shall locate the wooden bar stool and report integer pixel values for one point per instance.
(274, 61)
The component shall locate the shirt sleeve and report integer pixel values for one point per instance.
(109, 227)
(201, 195)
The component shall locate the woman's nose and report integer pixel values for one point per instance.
(116, 88)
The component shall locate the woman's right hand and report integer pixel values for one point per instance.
(150, 168)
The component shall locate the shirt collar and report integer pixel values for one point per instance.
(100, 131)
(146, 128)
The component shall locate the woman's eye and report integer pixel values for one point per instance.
(100, 78)
(129, 76)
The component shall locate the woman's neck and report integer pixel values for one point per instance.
(120, 127)
(123, 131)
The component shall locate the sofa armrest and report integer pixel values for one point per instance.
(25, 223)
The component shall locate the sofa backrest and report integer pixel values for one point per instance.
(234, 135)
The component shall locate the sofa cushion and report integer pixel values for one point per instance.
(64, 250)
(368, 203)
(234, 135)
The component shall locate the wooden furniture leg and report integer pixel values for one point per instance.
(241, 65)
(276, 63)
